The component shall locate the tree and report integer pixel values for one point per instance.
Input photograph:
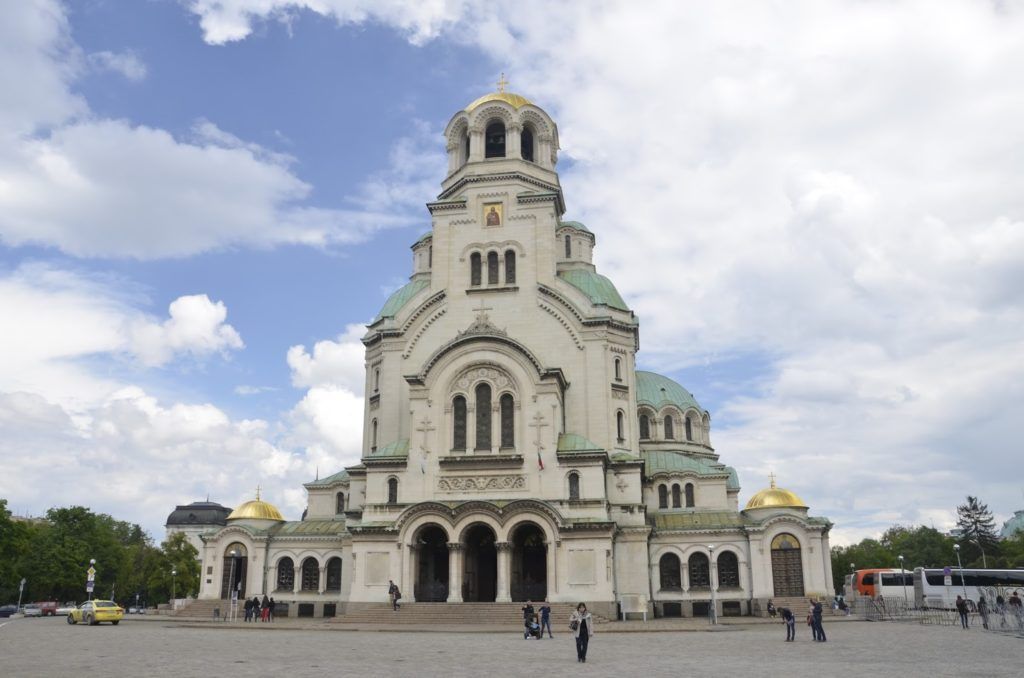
(977, 529)
(14, 541)
(920, 546)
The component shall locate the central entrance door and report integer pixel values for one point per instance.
(432, 566)
(234, 571)
(787, 567)
(529, 563)
(480, 578)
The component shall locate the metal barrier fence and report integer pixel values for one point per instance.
(1003, 620)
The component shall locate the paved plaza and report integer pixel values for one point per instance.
(49, 647)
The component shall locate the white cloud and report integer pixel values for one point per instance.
(196, 326)
(127, 64)
(247, 389)
(332, 363)
(829, 190)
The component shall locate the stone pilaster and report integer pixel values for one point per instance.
(504, 549)
(454, 572)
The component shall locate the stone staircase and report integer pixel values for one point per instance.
(454, 614)
(203, 609)
(800, 607)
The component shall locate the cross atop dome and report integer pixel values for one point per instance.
(502, 83)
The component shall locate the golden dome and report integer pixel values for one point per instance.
(256, 510)
(775, 497)
(515, 100)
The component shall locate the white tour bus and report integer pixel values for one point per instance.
(931, 589)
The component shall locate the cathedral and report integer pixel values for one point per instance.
(511, 449)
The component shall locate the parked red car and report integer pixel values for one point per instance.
(48, 607)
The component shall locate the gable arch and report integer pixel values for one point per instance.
(496, 111)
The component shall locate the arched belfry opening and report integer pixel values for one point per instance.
(431, 548)
(480, 574)
(529, 563)
(526, 143)
(494, 140)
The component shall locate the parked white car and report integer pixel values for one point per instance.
(65, 610)
(32, 611)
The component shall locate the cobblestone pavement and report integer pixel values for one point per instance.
(49, 647)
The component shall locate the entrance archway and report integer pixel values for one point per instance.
(236, 558)
(787, 566)
(529, 563)
(431, 565)
(480, 576)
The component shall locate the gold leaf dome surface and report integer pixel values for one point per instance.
(256, 510)
(516, 100)
(775, 497)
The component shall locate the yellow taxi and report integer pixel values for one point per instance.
(95, 611)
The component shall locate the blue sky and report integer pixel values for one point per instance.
(814, 209)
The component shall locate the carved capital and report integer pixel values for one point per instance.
(454, 546)
(503, 546)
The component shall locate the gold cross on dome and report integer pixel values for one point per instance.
(502, 83)
(771, 477)
(257, 493)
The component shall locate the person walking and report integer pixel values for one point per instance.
(790, 620)
(582, 626)
(395, 595)
(545, 619)
(270, 611)
(817, 630)
(961, 608)
(265, 609)
(529, 618)
(257, 610)
(1017, 608)
(248, 610)
(983, 611)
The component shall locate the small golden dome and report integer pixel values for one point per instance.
(256, 510)
(515, 100)
(775, 497)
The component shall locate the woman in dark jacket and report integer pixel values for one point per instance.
(582, 626)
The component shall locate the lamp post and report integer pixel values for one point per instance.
(711, 583)
(903, 578)
(231, 583)
(174, 573)
(963, 585)
(984, 561)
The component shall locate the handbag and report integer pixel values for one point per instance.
(574, 625)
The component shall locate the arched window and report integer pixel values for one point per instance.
(574, 486)
(526, 143)
(700, 574)
(373, 436)
(676, 496)
(285, 574)
(508, 436)
(334, 574)
(645, 427)
(689, 495)
(492, 268)
(663, 496)
(494, 140)
(474, 269)
(392, 490)
(465, 148)
(483, 417)
(670, 432)
(568, 247)
(339, 502)
(618, 369)
(689, 429)
(671, 576)
(376, 380)
(728, 570)
(310, 574)
(459, 412)
(510, 267)
(620, 426)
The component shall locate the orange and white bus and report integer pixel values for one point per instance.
(868, 582)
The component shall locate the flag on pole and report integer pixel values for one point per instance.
(540, 462)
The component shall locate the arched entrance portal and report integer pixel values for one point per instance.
(529, 563)
(431, 565)
(787, 566)
(236, 557)
(480, 577)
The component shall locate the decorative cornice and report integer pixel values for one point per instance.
(478, 460)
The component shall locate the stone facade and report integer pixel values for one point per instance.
(511, 449)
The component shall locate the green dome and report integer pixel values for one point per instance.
(574, 224)
(598, 288)
(400, 298)
(657, 391)
(1013, 525)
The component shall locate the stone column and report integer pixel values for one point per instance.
(513, 141)
(551, 585)
(454, 572)
(321, 585)
(471, 415)
(476, 143)
(408, 585)
(504, 549)
(496, 407)
(453, 156)
(297, 584)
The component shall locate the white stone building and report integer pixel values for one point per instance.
(511, 448)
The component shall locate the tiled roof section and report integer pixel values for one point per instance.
(401, 297)
(399, 448)
(300, 528)
(339, 477)
(664, 461)
(429, 235)
(695, 520)
(571, 442)
(596, 287)
(733, 483)
(657, 391)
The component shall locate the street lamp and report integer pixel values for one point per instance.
(903, 578)
(956, 547)
(711, 583)
(174, 573)
(984, 561)
(231, 582)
